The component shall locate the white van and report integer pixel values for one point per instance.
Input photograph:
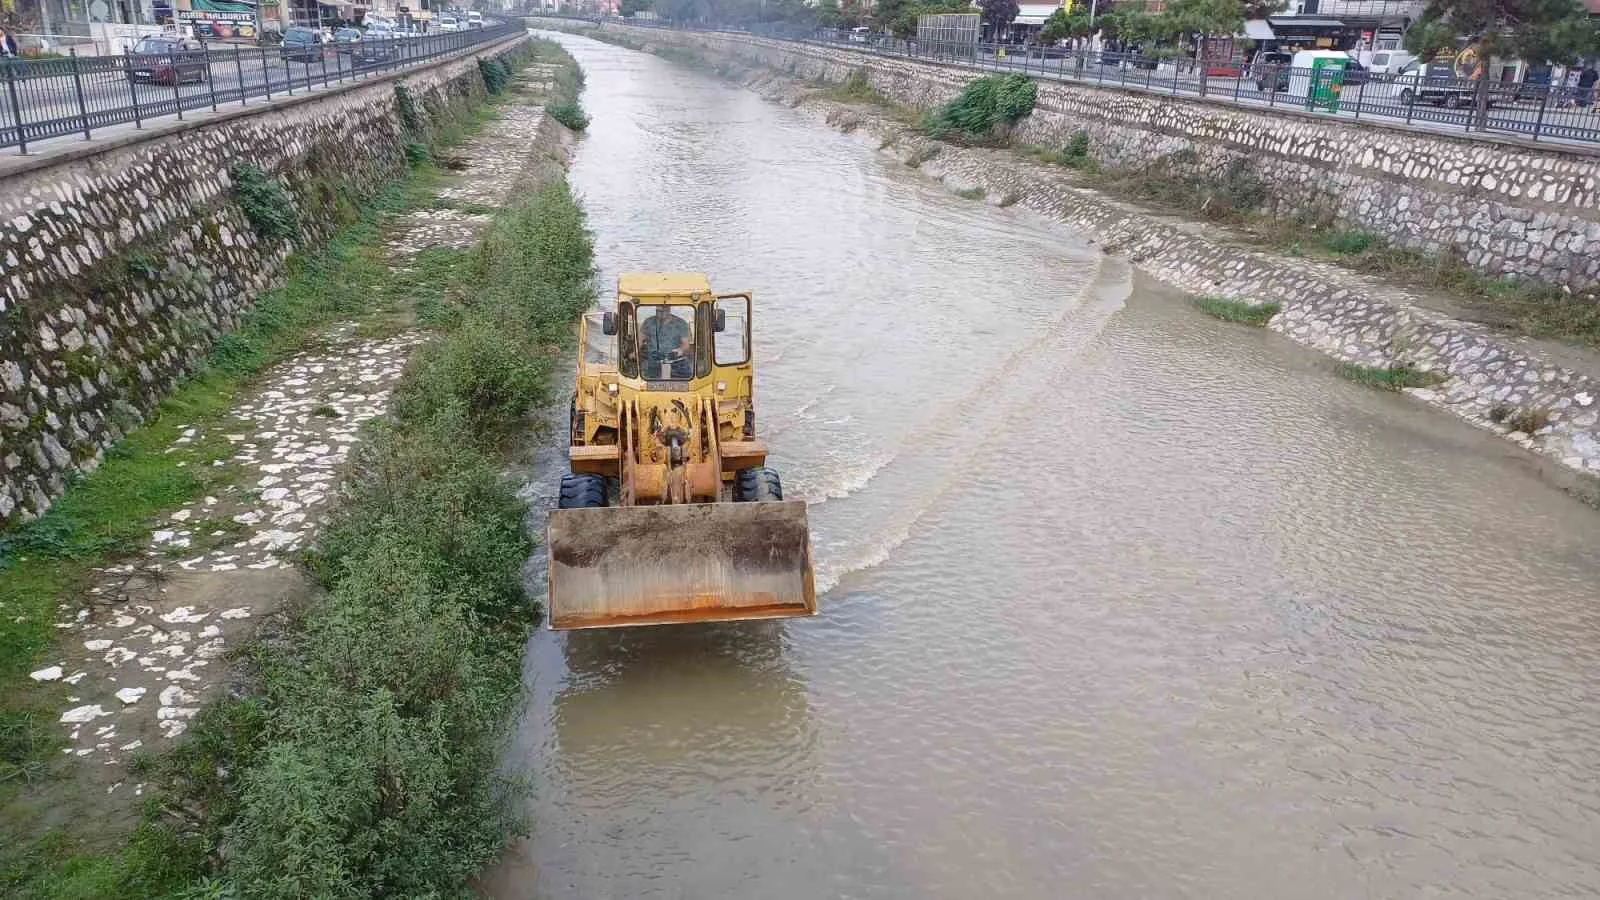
(859, 35)
(474, 19)
(1389, 62)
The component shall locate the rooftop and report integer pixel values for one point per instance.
(650, 284)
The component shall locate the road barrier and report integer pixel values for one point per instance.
(47, 98)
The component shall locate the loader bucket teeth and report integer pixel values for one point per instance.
(658, 565)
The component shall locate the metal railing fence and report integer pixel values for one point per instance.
(1437, 100)
(48, 98)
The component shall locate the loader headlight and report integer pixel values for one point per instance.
(722, 386)
(612, 387)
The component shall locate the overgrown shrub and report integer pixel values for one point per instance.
(410, 118)
(265, 202)
(1230, 191)
(569, 114)
(418, 153)
(983, 108)
(496, 74)
(482, 373)
(386, 708)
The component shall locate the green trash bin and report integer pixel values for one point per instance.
(1327, 80)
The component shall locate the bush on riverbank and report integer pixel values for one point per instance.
(386, 707)
(984, 109)
(427, 507)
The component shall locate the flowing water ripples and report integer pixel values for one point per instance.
(1124, 602)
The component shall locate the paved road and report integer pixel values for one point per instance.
(62, 97)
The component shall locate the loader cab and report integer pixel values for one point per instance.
(669, 341)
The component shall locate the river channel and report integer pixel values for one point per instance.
(1121, 601)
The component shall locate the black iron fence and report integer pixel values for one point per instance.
(1432, 97)
(48, 98)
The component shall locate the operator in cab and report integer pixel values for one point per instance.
(666, 338)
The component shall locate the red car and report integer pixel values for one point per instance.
(164, 60)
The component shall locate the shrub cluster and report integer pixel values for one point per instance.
(984, 108)
(377, 774)
(265, 202)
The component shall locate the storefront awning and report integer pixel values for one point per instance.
(1303, 23)
(1258, 29)
(1034, 13)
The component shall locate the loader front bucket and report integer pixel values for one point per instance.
(698, 562)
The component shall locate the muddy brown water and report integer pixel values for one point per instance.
(1121, 601)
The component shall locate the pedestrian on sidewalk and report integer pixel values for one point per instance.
(8, 45)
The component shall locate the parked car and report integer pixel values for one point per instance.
(302, 45)
(1272, 71)
(167, 60)
(1435, 83)
(446, 24)
(376, 50)
(1355, 73)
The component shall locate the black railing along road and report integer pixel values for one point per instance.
(76, 94)
(1433, 97)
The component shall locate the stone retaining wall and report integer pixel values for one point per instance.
(120, 267)
(1503, 206)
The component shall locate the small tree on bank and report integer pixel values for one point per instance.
(998, 14)
(1536, 31)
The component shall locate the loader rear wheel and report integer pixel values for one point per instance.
(582, 492)
(756, 485)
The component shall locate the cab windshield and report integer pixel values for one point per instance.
(666, 342)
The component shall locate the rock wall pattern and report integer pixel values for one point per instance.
(120, 269)
(1502, 206)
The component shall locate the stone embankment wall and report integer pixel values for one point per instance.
(1502, 206)
(121, 264)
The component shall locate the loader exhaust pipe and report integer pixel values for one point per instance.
(679, 563)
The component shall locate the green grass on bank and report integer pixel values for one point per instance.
(1524, 305)
(1395, 378)
(385, 709)
(1255, 314)
(196, 791)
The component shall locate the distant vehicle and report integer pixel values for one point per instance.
(167, 60)
(1282, 73)
(1435, 83)
(859, 35)
(446, 24)
(376, 50)
(474, 19)
(1355, 73)
(347, 36)
(302, 45)
(1389, 62)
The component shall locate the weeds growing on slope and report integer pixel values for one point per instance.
(384, 711)
(265, 202)
(1254, 314)
(107, 513)
(1394, 378)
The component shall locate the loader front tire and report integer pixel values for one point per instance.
(757, 485)
(582, 492)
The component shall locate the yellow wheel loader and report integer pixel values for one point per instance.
(670, 514)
